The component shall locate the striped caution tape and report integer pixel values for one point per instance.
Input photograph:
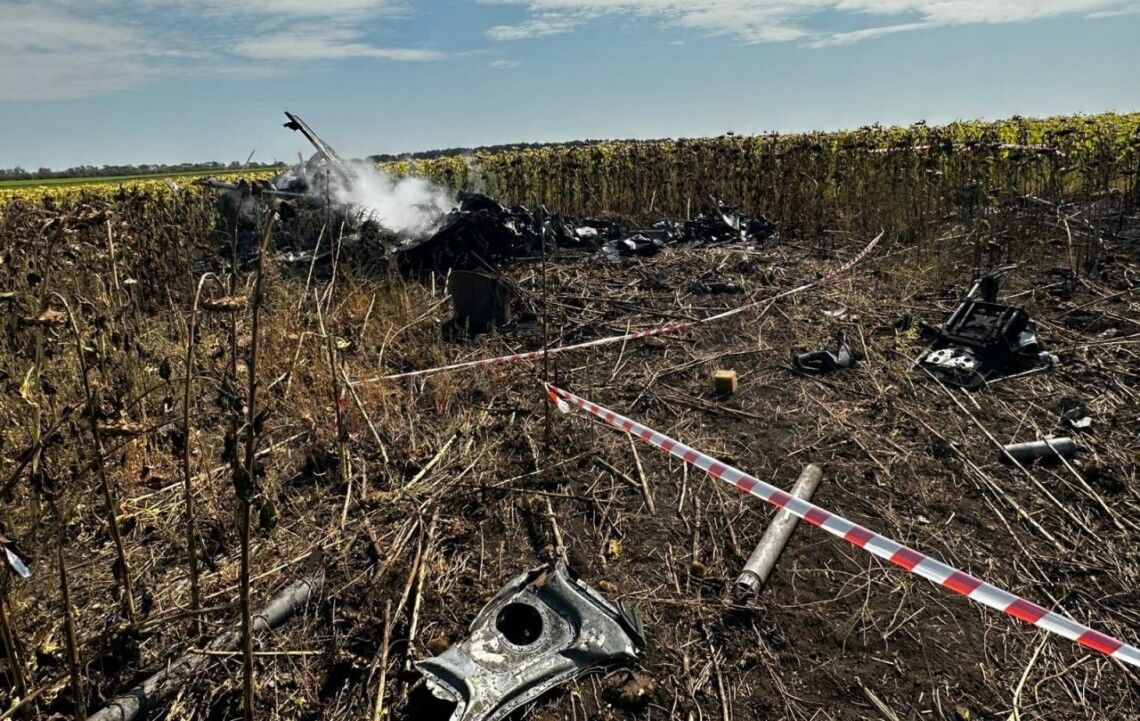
(918, 563)
(660, 330)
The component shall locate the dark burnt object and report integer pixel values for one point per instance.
(980, 340)
(822, 361)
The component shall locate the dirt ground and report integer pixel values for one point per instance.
(454, 485)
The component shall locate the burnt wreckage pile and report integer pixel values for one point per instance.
(481, 232)
(478, 234)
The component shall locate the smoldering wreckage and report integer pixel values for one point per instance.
(547, 625)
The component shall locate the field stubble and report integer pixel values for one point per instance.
(438, 490)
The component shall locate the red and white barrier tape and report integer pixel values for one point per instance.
(660, 330)
(929, 568)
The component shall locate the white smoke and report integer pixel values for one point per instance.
(411, 207)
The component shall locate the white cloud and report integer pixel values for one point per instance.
(342, 9)
(46, 53)
(759, 21)
(331, 44)
(503, 64)
(60, 49)
(536, 28)
(855, 36)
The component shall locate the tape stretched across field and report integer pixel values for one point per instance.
(920, 564)
(660, 330)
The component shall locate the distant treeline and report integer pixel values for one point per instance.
(104, 171)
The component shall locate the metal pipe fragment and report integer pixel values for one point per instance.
(188, 667)
(771, 545)
(1037, 450)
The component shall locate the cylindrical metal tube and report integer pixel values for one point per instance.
(1038, 450)
(771, 545)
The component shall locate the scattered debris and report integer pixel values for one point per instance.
(763, 559)
(981, 339)
(1025, 453)
(542, 629)
(725, 382)
(720, 224)
(821, 361)
(476, 234)
(1075, 414)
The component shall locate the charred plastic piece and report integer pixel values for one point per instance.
(821, 361)
(1049, 448)
(541, 630)
(981, 338)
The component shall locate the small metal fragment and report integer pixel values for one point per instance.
(542, 629)
(16, 563)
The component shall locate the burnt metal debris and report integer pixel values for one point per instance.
(981, 339)
(1075, 414)
(542, 629)
(478, 234)
(482, 233)
(822, 361)
(305, 187)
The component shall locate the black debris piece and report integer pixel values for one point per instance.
(720, 224)
(1074, 414)
(479, 234)
(981, 339)
(821, 361)
(635, 245)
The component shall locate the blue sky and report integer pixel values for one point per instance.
(165, 81)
